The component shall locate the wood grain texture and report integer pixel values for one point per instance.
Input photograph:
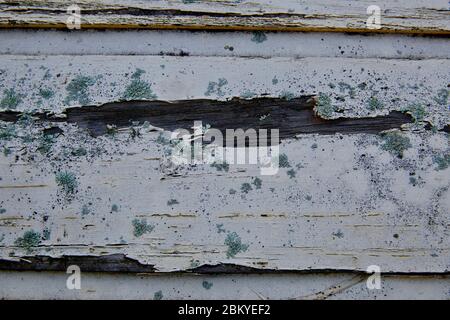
(222, 115)
(331, 286)
(350, 84)
(106, 263)
(418, 17)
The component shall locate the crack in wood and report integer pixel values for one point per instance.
(120, 263)
(108, 263)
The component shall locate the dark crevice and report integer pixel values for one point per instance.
(290, 117)
(109, 263)
(133, 11)
(120, 263)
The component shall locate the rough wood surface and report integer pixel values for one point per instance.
(108, 263)
(430, 17)
(222, 115)
(339, 202)
(331, 286)
(231, 44)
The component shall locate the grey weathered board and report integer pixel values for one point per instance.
(364, 151)
(47, 285)
(405, 16)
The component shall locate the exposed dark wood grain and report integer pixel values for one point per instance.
(119, 263)
(291, 117)
(109, 263)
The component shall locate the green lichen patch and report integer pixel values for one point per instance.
(247, 94)
(324, 108)
(138, 73)
(158, 295)
(442, 97)
(29, 240)
(220, 228)
(207, 285)
(45, 143)
(77, 89)
(442, 161)
(172, 202)
(25, 120)
(374, 104)
(162, 140)
(344, 87)
(85, 210)
(216, 87)
(224, 166)
(78, 152)
(194, 263)
(283, 161)
(259, 37)
(2, 210)
(6, 151)
(114, 208)
(257, 182)
(138, 89)
(46, 93)
(275, 80)
(291, 173)
(67, 181)
(141, 227)
(287, 95)
(246, 187)
(235, 245)
(395, 142)
(10, 99)
(417, 111)
(8, 132)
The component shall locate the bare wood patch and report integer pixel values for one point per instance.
(108, 263)
(291, 117)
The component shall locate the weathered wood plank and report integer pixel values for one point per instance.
(430, 17)
(232, 44)
(340, 202)
(332, 286)
(355, 87)
(346, 205)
